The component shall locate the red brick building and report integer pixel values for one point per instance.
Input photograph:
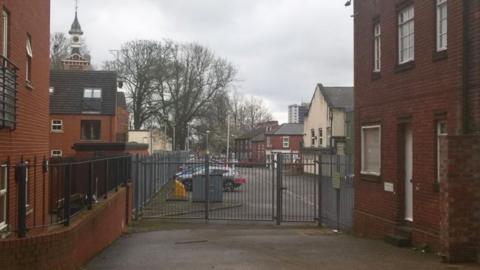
(85, 106)
(24, 129)
(286, 139)
(417, 116)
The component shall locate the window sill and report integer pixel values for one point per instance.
(439, 55)
(405, 66)
(371, 178)
(29, 85)
(57, 131)
(376, 75)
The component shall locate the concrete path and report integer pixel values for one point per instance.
(251, 247)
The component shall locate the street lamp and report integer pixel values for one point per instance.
(208, 132)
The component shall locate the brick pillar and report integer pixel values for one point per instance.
(460, 198)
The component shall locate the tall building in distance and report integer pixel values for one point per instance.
(296, 113)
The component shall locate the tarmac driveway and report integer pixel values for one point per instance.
(247, 247)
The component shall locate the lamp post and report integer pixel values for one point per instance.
(228, 139)
(208, 132)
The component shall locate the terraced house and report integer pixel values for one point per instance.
(417, 118)
(24, 39)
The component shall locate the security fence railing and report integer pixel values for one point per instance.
(67, 187)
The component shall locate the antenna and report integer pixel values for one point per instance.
(76, 6)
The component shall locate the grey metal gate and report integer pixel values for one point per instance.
(288, 189)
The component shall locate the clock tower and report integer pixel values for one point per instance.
(76, 61)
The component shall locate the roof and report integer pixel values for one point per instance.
(338, 97)
(76, 28)
(121, 100)
(67, 97)
(289, 129)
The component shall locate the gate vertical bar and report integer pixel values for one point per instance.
(207, 185)
(136, 186)
(273, 187)
(66, 196)
(279, 188)
(89, 186)
(320, 182)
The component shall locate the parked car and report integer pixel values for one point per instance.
(231, 179)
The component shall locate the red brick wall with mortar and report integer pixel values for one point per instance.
(72, 131)
(277, 143)
(71, 247)
(399, 97)
(460, 198)
(30, 138)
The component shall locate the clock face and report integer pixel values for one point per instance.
(76, 39)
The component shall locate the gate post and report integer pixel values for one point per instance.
(279, 188)
(207, 185)
(320, 204)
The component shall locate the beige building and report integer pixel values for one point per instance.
(157, 140)
(328, 123)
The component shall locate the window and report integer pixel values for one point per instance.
(442, 25)
(377, 48)
(3, 195)
(269, 142)
(28, 67)
(320, 137)
(92, 93)
(90, 130)
(57, 126)
(441, 131)
(5, 32)
(371, 150)
(406, 35)
(313, 137)
(56, 153)
(26, 184)
(286, 142)
(8, 91)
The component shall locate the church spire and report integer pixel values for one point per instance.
(76, 29)
(76, 61)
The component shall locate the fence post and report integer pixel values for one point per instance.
(89, 186)
(106, 179)
(20, 175)
(320, 182)
(136, 186)
(273, 186)
(279, 188)
(207, 185)
(337, 190)
(66, 196)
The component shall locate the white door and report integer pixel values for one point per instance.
(408, 174)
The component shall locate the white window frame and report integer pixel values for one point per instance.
(406, 22)
(377, 47)
(286, 142)
(58, 124)
(442, 25)
(441, 130)
(92, 93)
(28, 67)
(56, 153)
(363, 171)
(5, 27)
(4, 194)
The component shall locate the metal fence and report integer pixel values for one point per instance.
(288, 189)
(337, 191)
(151, 174)
(68, 187)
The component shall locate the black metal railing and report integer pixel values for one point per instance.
(68, 188)
(8, 92)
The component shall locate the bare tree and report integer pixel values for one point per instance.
(136, 63)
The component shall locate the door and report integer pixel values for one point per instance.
(408, 173)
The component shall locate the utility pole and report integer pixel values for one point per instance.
(228, 139)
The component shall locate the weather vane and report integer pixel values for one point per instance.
(76, 6)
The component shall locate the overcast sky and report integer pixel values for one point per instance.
(282, 48)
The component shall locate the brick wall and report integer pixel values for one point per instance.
(122, 125)
(420, 95)
(30, 138)
(72, 131)
(460, 198)
(71, 247)
(277, 143)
